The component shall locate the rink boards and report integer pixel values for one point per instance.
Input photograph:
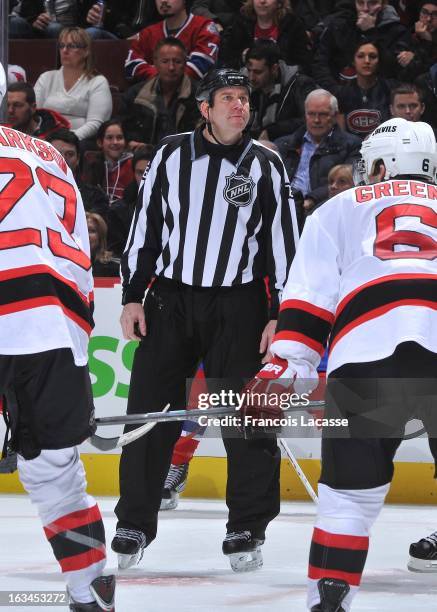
(110, 360)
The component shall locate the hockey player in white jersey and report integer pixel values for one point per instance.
(365, 275)
(45, 320)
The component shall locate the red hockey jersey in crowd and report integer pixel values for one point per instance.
(199, 35)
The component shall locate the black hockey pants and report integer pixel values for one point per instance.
(185, 325)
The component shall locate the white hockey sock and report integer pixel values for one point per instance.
(56, 484)
(341, 536)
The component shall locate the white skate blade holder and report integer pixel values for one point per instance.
(127, 561)
(171, 503)
(423, 566)
(247, 561)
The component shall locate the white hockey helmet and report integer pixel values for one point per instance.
(3, 83)
(405, 147)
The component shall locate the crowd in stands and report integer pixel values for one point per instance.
(324, 74)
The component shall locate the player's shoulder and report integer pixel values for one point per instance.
(199, 21)
(266, 153)
(338, 205)
(31, 150)
(168, 145)
(175, 139)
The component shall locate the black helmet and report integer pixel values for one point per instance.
(219, 78)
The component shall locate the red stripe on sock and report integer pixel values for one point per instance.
(78, 562)
(73, 521)
(340, 540)
(317, 572)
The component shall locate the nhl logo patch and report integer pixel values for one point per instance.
(238, 190)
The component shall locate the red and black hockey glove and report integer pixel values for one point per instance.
(266, 397)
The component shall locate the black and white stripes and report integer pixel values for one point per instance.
(210, 220)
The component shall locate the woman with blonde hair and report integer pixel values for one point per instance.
(270, 20)
(76, 90)
(340, 178)
(101, 259)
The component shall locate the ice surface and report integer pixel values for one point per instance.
(184, 569)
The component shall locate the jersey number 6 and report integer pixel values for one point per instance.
(388, 237)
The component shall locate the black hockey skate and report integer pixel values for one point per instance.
(243, 550)
(423, 555)
(174, 484)
(129, 544)
(8, 463)
(103, 589)
(332, 592)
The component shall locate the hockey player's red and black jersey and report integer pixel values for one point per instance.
(45, 270)
(199, 35)
(365, 275)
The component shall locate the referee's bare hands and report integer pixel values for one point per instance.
(266, 340)
(132, 321)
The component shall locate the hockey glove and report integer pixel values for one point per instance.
(266, 398)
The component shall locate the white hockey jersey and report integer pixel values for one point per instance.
(45, 270)
(364, 275)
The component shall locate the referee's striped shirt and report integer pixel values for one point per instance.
(207, 220)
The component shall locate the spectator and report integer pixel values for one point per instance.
(198, 34)
(166, 103)
(118, 18)
(279, 92)
(145, 13)
(423, 52)
(76, 90)
(113, 24)
(315, 14)
(266, 19)
(16, 24)
(427, 85)
(23, 115)
(126, 19)
(340, 178)
(112, 168)
(31, 19)
(122, 211)
(407, 102)
(103, 263)
(311, 152)
(365, 101)
(67, 143)
(223, 12)
(363, 21)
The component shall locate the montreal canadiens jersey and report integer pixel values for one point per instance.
(199, 36)
(364, 276)
(45, 271)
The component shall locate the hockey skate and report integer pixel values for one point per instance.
(423, 554)
(332, 592)
(8, 464)
(103, 589)
(174, 484)
(243, 550)
(129, 544)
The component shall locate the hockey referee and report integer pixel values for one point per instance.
(214, 217)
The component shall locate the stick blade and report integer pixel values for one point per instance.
(103, 444)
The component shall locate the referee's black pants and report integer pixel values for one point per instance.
(221, 327)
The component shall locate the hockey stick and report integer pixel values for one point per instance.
(304, 480)
(151, 418)
(126, 438)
